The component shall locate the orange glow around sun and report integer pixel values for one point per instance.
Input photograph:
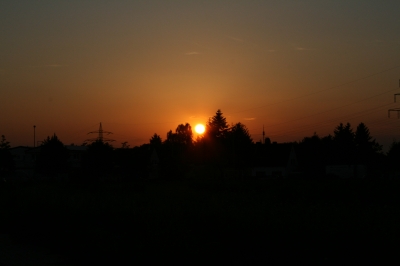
(199, 128)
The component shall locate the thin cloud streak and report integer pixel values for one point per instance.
(234, 38)
(302, 49)
(51, 66)
(192, 53)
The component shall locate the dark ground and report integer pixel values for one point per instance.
(327, 221)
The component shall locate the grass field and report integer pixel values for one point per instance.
(247, 221)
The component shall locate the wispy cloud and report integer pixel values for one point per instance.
(195, 43)
(189, 41)
(51, 66)
(302, 49)
(56, 65)
(235, 39)
(192, 53)
(249, 118)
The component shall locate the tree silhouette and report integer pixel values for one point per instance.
(313, 153)
(217, 126)
(364, 142)
(53, 157)
(156, 140)
(171, 138)
(184, 134)
(393, 155)
(238, 144)
(177, 150)
(239, 135)
(368, 151)
(344, 134)
(344, 144)
(99, 158)
(4, 144)
(6, 159)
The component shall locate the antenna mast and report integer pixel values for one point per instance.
(395, 109)
(34, 136)
(263, 140)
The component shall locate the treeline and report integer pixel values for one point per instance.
(344, 147)
(221, 147)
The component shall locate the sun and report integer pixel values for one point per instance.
(199, 128)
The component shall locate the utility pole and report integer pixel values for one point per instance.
(34, 136)
(395, 109)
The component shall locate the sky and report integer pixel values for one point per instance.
(144, 67)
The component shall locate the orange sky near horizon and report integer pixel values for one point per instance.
(143, 67)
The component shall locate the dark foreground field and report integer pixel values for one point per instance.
(189, 221)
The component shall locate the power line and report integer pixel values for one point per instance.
(326, 111)
(323, 90)
(395, 109)
(329, 123)
(332, 120)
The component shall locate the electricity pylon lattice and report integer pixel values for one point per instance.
(100, 136)
(395, 109)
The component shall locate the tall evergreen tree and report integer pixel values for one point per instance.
(344, 135)
(344, 149)
(238, 144)
(368, 151)
(364, 142)
(240, 135)
(217, 126)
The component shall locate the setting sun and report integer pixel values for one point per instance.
(200, 128)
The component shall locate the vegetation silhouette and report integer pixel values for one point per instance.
(217, 126)
(200, 198)
(53, 157)
(7, 165)
(98, 161)
(393, 157)
(223, 151)
(156, 140)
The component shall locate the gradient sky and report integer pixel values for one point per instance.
(143, 67)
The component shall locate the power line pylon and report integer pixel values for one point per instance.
(100, 137)
(395, 109)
